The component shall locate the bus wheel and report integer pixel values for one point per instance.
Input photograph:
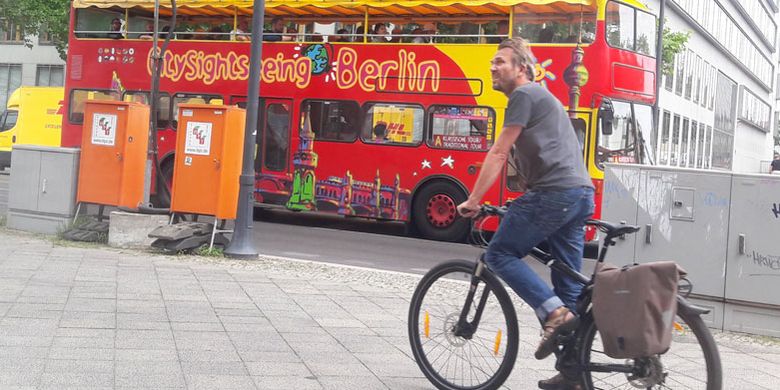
(163, 199)
(435, 213)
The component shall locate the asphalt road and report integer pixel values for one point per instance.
(351, 241)
(335, 239)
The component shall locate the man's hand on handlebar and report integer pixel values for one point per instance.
(469, 208)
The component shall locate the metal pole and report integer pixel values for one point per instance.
(241, 245)
(153, 110)
(659, 51)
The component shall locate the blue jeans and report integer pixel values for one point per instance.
(557, 216)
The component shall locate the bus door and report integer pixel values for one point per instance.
(275, 126)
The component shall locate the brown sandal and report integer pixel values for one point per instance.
(563, 322)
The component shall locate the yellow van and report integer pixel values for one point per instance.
(33, 117)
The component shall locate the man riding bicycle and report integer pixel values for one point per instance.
(558, 195)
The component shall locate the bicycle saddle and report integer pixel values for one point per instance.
(612, 230)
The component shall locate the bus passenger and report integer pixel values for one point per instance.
(277, 32)
(341, 36)
(502, 28)
(149, 34)
(546, 35)
(239, 34)
(116, 31)
(380, 33)
(359, 33)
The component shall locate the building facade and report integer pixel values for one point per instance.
(717, 103)
(20, 65)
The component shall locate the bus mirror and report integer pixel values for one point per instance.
(606, 116)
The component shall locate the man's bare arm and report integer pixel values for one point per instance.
(491, 168)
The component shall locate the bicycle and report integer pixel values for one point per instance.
(473, 345)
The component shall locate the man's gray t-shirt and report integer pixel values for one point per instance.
(547, 153)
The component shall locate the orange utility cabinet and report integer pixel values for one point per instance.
(209, 148)
(114, 144)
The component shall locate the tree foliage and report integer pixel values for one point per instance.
(35, 17)
(673, 43)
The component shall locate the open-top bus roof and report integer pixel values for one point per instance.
(349, 8)
(303, 9)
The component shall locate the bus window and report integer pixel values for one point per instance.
(187, 98)
(557, 23)
(461, 128)
(393, 123)
(630, 29)
(333, 120)
(620, 146)
(79, 97)
(163, 105)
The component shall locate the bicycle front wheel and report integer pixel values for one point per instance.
(480, 358)
(692, 361)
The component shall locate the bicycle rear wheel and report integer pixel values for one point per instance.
(482, 360)
(692, 361)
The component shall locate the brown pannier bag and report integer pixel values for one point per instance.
(634, 308)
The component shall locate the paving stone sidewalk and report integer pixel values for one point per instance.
(97, 318)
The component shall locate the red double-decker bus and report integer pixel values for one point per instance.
(377, 109)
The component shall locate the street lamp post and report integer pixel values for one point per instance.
(241, 245)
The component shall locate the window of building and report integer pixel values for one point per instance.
(754, 110)
(679, 78)
(722, 27)
(663, 141)
(690, 68)
(697, 75)
(700, 141)
(394, 123)
(725, 104)
(675, 144)
(10, 33)
(78, 100)
(722, 149)
(49, 75)
(631, 29)
(684, 134)
(10, 80)
(461, 127)
(708, 148)
(333, 120)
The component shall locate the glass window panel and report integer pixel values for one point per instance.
(333, 120)
(620, 146)
(674, 144)
(396, 123)
(189, 98)
(684, 143)
(620, 25)
(646, 33)
(277, 136)
(461, 127)
(663, 143)
(79, 97)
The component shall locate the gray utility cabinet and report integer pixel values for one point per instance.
(719, 226)
(43, 186)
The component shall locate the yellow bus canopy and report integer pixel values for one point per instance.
(346, 8)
